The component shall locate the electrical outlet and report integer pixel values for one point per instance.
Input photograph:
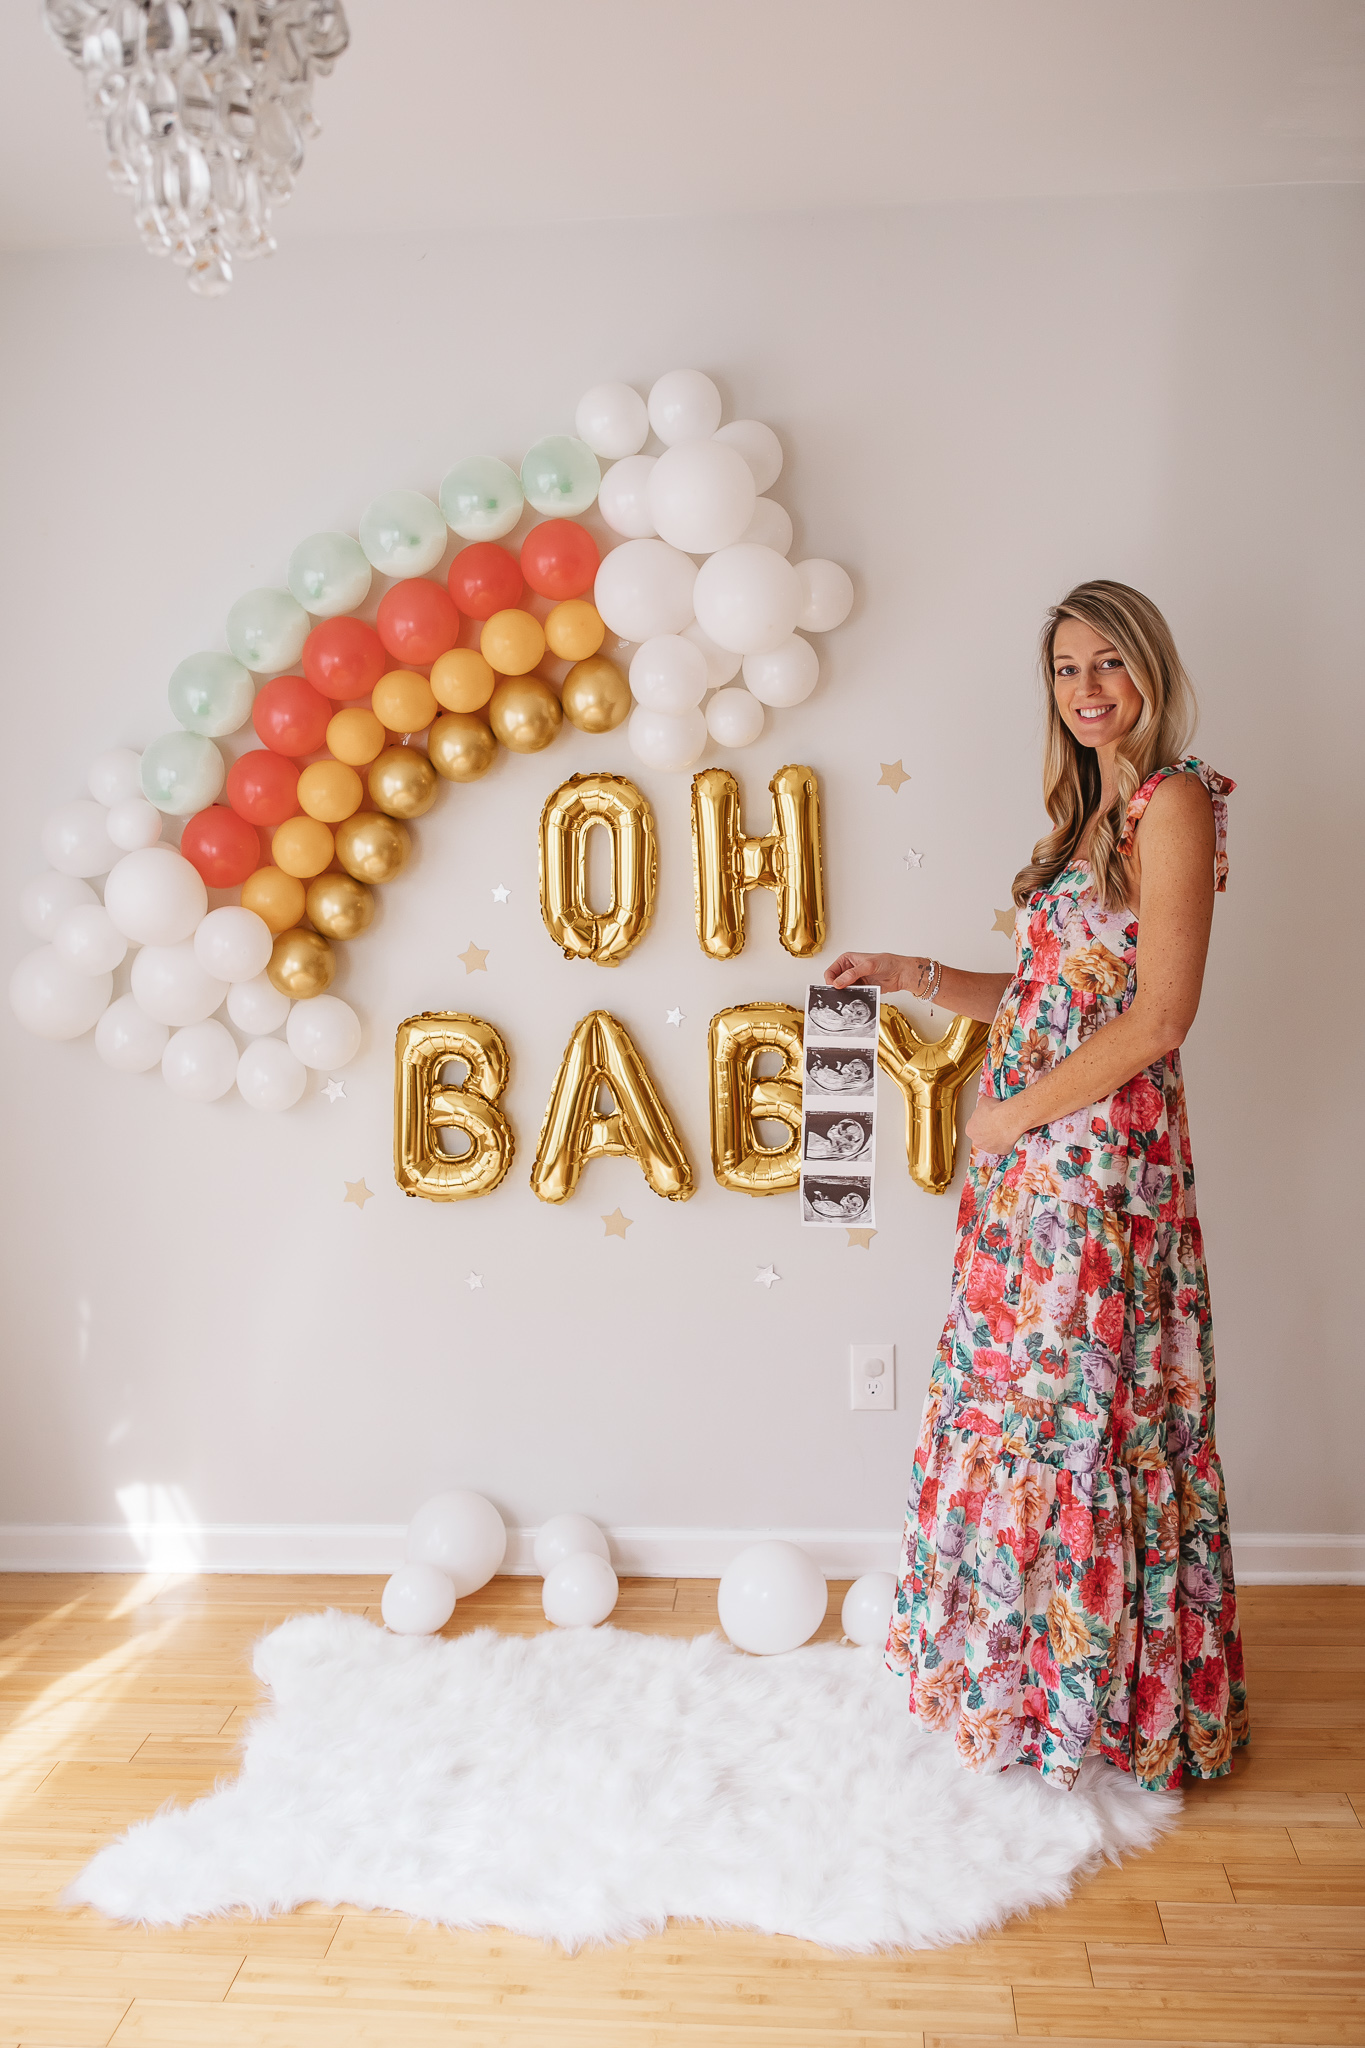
(872, 1376)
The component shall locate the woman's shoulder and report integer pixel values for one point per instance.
(1186, 796)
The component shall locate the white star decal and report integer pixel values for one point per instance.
(675, 1016)
(473, 1280)
(913, 858)
(334, 1090)
(765, 1276)
(501, 893)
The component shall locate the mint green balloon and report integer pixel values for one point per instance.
(266, 630)
(560, 475)
(182, 772)
(212, 694)
(328, 574)
(403, 534)
(481, 498)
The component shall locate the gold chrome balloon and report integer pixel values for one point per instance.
(372, 847)
(740, 1098)
(525, 713)
(340, 906)
(725, 863)
(596, 696)
(461, 746)
(424, 1106)
(403, 782)
(931, 1074)
(570, 815)
(600, 1054)
(302, 964)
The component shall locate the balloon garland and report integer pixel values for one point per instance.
(359, 724)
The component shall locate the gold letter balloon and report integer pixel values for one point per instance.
(578, 807)
(725, 863)
(601, 1054)
(931, 1074)
(741, 1098)
(423, 1107)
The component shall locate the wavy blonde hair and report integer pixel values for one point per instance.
(1133, 626)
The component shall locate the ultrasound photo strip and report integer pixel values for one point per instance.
(839, 1105)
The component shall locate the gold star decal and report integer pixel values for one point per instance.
(1004, 922)
(617, 1224)
(861, 1240)
(475, 959)
(892, 776)
(357, 1192)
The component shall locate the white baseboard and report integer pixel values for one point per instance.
(345, 1549)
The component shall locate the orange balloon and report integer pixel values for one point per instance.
(575, 629)
(512, 642)
(330, 791)
(403, 701)
(276, 898)
(356, 737)
(462, 680)
(302, 847)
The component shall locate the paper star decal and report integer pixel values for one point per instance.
(675, 1016)
(357, 1192)
(860, 1240)
(765, 1276)
(501, 893)
(475, 959)
(912, 857)
(1004, 922)
(473, 1281)
(617, 1224)
(892, 776)
(334, 1090)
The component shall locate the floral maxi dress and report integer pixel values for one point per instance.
(1066, 1578)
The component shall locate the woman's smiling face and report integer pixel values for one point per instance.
(1096, 697)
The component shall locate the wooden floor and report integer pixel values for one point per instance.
(1245, 1926)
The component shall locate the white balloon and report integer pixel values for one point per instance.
(462, 1534)
(155, 896)
(786, 676)
(662, 741)
(567, 1536)
(579, 1592)
(200, 1063)
(128, 1040)
(623, 497)
(133, 822)
(76, 840)
(644, 587)
(734, 718)
(684, 405)
(866, 1613)
(171, 986)
(269, 1076)
(115, 776)
(613, 419)
(53, 999)
(701, 496)
(668, 673)
(770, 527)
(233, 944)
(88, 939)
(257, 1006)
(826, 595)
(44, 901)
(323, 1032)
(721, 665)
(772, 1598)
(759, 446)
(417, 1601)
(747, 598)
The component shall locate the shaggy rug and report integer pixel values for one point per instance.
(587, 1785)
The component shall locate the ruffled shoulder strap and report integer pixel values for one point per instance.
(1219, 788)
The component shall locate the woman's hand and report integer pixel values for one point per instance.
(870, 970)
(997, 1127)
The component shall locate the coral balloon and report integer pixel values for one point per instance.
(483, 579)
(462, 680)
(403, 700)
(290, 716)
(596, 696)
(418, 621)
(330, 791)
(559, 558)
(356, 737)
(525, 714)
(512, 643)
(344, 658)
(575, 630)
(302, 964)
(372, 847)
(276, 898)
(403, 783)
(262, 787)
(302, 847)
(461, 746)
(221, 845)
(339, 906)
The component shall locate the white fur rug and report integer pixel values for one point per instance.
(589, 1785)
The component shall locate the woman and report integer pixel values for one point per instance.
(1066, 1580)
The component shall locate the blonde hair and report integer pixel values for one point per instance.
(1134, 627)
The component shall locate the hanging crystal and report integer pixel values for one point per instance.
(206, 106)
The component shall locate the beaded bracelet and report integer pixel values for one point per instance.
(927, 993)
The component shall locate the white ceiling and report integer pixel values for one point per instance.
(454, 112)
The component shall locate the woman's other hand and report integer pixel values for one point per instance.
(879, 970)
(995, 1127)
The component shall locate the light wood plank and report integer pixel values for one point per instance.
(1117, 1966)
(48, 2021)
(142, 1972)
(1321, 1884)
(1261, 1926)
(1212, 2013)
(149, 2024)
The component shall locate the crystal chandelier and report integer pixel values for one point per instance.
(206, 106)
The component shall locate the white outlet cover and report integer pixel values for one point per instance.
(872, 1376)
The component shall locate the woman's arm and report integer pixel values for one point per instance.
(967, 995)
(1174, 865)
